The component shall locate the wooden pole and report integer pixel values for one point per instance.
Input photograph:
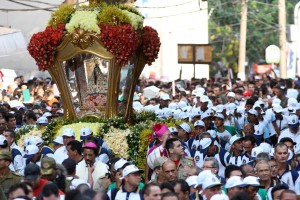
(282, 37)
(242, 45)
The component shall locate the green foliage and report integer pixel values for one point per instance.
(112, 15)
(23, 131)
(130, 9)
(61, 15)
(262, 29)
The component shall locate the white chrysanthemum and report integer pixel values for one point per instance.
(136, 20)
(87, 20)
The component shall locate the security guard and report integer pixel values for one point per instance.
(7, 177)
(176, 154)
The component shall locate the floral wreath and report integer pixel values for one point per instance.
(118, 27)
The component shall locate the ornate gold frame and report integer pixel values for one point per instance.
(84, 42)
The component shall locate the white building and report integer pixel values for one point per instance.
(177, 22)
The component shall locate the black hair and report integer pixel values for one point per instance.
(166, 185)
(21, 185)
(30, 115)
(250, 102)
(50, 189)
(278, 187)
(9, 116)
(75, 145)
(249, 138)
(147, 188)
(170, 143)
(183, 185)
(90, 193)
(169, 194)
(56, 103)
(229, 169)
(286, 139)
(241, 196)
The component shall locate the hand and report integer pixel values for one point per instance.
(91, 169)
(105, 184)
(118, 180)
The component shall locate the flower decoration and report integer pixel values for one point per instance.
(135, 20)
(120, 40)
(33, 132)
(112, 15)
(151, 44)
(86, 20)
(42, 45)
(61, 15)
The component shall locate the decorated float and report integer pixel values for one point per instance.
(84, 48)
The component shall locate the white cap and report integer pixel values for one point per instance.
(293, 121)
(36, 140)
(277, 109)
(204, 143)
(185, 127)
(26, 141)
(255, 151)
(240, 109)
(47, 114)
(173, 129)
(120, 163)
(210, 181)
(205, 115)
(182, 104)
(230, 108)
(219, 115)
(173, 105)
(192, 181)
(199, 123)
(234, 181)
(234, 138)
(204, 99)
(219, 197)
(196, 112)
(30, 151)
(253, 112)
(42, 120)
(251, 180)
(165, 97)
(68, 132)
(266, 147)
(231, 94)
(2, 140)
(183, 115)
(292, 103)
(130, 169)
(219, 108)
(202, 176)
(85, 132)
(297, 148)
(276, 101)
(58, 140)
(150, 108)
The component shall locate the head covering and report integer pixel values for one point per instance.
(199, 123)
(30, 151)
(185, 127)
(234, 181)
(159, 130)
(253, 181)
(58, 140)
(32, 172)
(5, 155)
(129, 170)
(68, 132)
(210, 181)
(293, 121)
(85, 132)
(120, 163)
(42, 121)
(231, 94)
(48, 165)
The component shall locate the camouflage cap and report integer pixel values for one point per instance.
(5, 155)
(48, 165)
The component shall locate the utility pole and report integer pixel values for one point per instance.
(282, 37)
(242, 45)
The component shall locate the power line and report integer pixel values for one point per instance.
(28, 5)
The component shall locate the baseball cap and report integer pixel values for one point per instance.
(253, 112)
(173, 105)
(277, 109)
(182, 104)
(234, 138)
(293, 121)
(219, 197)
(36, 140)
(276, 101)
(192, 181)
(184, 115)
(219, 108)
(69, 163)
(211, 181)
(68, 132)
(48, 165)
(196, 112)
(255, 151)
(120, 163)
(204, 143)
(204, 99)
(185, 127)
(199, 123)
(3, 140)
(247, 93)
(58, 140)
(231, 94)
(173, 130)
(165, 97)
(253, 181)
(266, 147)
(42, 121)
(297, 148)
(32, 172)
(159, 161)
(202, 176)
(47, 114)
(85, 132)
(159, 130)
(219, 115)
(234, 181)
(129, 170)
(5, 155)
(292, 103)
(30, 151)
(230, 108)
(205, 115)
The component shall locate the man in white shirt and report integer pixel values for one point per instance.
(293, 130)
(90, 169)
(61, 153)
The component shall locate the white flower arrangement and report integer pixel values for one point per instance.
(116, 140)
(86, 20)
(136, 20)
(76, 127)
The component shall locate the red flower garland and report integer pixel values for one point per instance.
(121, 41)
(151, 44)
(42, 45)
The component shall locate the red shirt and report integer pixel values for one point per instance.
(37, 190)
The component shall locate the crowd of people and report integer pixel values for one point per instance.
(235, 140)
